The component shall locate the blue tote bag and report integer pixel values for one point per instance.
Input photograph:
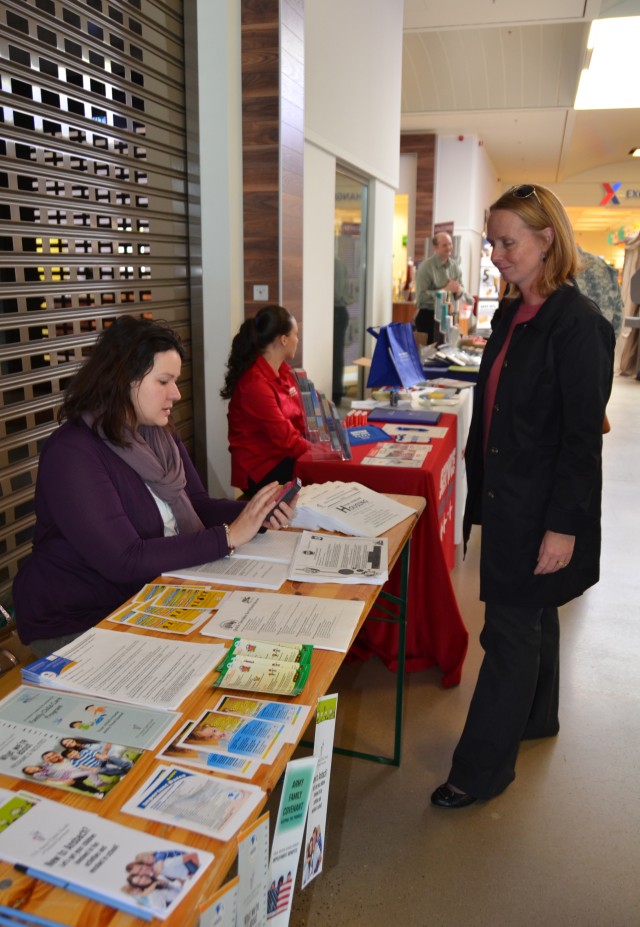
(395, 361)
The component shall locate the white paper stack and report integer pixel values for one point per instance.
(350, 508)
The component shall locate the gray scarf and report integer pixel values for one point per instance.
(155, 457)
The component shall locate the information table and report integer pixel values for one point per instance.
(22, 892)
(436, 635)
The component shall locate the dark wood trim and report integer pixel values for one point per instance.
(424, 146)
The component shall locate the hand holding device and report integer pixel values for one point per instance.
(288, 493)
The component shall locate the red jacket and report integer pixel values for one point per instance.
(266, 422)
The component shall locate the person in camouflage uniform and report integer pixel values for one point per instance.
(599, 281)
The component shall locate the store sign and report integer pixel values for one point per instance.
(611, 190)
(610, 193)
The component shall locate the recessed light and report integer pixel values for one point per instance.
(635, 152)
(608, 79)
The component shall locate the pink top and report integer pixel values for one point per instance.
(524, 313)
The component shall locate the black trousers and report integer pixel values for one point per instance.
(340, 326)
(516, 696)
(282, 472)
(425, 321)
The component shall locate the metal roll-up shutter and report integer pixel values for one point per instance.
(93, 211)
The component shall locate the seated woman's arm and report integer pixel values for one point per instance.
(106, 515)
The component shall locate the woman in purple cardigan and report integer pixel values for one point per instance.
(118, 500)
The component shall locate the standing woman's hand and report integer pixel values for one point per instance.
(555, 552)
(254, 514)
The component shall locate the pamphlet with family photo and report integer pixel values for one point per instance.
(104, 860)
(60, 761)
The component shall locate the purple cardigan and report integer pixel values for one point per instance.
(99, 536)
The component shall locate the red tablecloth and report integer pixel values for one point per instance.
(436, 635)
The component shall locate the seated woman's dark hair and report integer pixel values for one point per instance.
(254, 336)
(123, 354)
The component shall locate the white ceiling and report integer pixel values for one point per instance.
(507, 72)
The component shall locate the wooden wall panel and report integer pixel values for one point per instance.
(424, 146)
(273, 149)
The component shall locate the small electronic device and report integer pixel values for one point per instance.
(289, 491)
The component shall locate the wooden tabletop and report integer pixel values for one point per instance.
(39, 898)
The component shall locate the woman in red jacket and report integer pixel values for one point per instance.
(266, 420)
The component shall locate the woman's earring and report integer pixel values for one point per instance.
(543, 256)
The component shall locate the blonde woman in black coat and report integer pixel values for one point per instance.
(534, 473)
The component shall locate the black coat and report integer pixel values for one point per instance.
(543, 464)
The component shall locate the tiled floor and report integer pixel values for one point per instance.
(561, 847)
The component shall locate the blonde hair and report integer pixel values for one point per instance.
(541, 209)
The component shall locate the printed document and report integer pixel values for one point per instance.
(236, 571)
(269, 616)
(130, 668)
(325, 558)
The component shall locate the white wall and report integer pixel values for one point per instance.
(465, 185)
(353, 73)
(317, 281)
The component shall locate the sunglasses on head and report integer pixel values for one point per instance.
(524, 191)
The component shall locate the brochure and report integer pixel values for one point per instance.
(132, 668)
(240, 767)
(263, 650)
(315, 837)
(325, 558)
(185, 798)
(221, 909)
(169, 608)
(272, 676)
(176, 595)
(163, 620)
(71, 763)
(65, 715)
(292, 717)
(396, 455)
(78, 851)
(269, 616)
(253, 870)
(237, 736)
(287, 837)
(366, 434)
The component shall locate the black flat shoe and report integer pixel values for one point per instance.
(445, 797)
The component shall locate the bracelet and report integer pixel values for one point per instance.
(227, 531)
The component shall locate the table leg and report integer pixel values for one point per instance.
(399, 618)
